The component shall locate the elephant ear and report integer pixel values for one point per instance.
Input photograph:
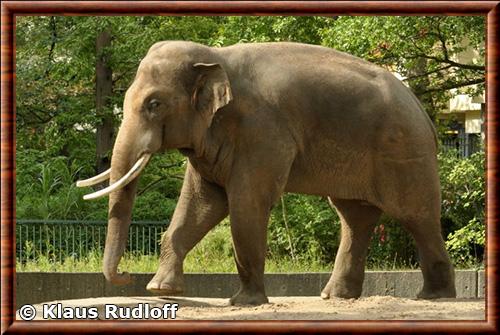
(212, 89)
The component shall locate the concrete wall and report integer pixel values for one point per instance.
(36, 287)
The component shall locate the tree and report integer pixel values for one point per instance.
(103, 91)
(421, 49)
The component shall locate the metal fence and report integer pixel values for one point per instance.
(58, 239)
(464, 145)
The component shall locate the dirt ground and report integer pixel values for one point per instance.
(300, 308)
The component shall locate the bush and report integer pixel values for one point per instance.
(304, 227)
(463, 206)
(47, 190)
(391, 247)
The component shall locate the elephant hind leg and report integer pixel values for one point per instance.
(410, 193)
(358, 220)
(421, 217)
(437, 270)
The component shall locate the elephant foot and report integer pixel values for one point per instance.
(165, 284)
(247, 297)
(439, 281)
(430, 294)
(339, 290)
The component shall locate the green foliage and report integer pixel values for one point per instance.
(47, 190)
(391, 247)
(313, 228)
(463, 206)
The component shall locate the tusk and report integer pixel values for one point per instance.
(127, 178)
(94, 180)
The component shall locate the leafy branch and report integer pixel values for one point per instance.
(453, 85)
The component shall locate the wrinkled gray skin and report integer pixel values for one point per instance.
(257, 120)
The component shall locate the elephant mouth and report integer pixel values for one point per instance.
(136, 169)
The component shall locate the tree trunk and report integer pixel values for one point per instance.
(104, 89)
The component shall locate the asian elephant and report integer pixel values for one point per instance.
(257, 120)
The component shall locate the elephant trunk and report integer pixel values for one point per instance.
(121, 201)
(120, 215)
(127, 162)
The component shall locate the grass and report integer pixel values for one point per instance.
(144, 264)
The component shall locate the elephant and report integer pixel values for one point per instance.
(256, 120)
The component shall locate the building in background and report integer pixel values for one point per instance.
(465, 114)
(466, 124)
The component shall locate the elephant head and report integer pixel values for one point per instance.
(170, 104)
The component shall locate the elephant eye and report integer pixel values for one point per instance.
(153, 104)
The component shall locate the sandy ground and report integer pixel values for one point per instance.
(295, 308)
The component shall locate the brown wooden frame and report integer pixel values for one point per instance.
(10, 9)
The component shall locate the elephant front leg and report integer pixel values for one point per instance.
(201, 206)
(249, 231)
(251, 197)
